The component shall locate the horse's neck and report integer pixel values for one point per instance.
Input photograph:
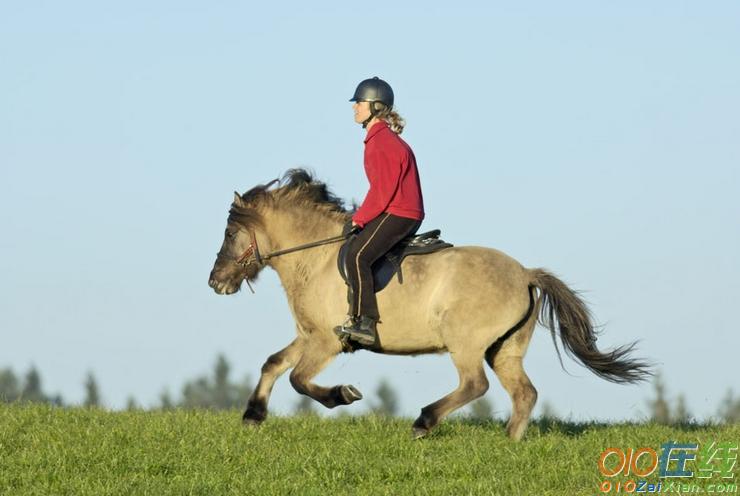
(292, 228)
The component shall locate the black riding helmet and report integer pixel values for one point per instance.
(373, 90)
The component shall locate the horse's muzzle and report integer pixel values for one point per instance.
(222, 287)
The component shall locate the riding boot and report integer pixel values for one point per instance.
(362, 329)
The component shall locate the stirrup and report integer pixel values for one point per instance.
(362, 330)
(339, 330)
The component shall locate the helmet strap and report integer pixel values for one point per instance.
(373, 113)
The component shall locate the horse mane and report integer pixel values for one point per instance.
(297, 187)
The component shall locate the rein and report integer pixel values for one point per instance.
(253, 251)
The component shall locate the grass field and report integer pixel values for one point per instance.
(50, 451)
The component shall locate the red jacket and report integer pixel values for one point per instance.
(391, 170)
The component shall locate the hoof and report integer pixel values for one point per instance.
(350, 394)
(418, 433)
(255, 414)
(424, 424)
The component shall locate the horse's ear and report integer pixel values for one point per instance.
(238, 199)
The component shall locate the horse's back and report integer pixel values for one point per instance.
(462, 272)
(476, 261)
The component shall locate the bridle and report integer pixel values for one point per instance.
(252, 253)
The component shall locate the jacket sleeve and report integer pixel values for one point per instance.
(384, 173)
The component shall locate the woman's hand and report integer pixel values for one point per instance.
(350, 228)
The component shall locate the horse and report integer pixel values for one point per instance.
(477, 304)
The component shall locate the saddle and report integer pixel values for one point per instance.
(390, 264)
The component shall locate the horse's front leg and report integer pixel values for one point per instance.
(274, 367)
(319, 350)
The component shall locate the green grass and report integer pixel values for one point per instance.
(49, 451)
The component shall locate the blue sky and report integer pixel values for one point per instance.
(596, 139)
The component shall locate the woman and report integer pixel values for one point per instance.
(392, 209)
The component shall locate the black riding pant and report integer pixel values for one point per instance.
(375, 240)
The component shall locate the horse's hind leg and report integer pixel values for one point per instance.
(319, 351)
(274, 367)
(473, 384)
(506, 362)
(515, 381)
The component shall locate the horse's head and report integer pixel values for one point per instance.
(238, 259)
(298, 210)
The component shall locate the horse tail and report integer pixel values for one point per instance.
(564, 312)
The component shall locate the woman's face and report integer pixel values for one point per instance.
(362, 111)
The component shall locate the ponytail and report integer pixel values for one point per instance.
(391, 117)
(395, 121)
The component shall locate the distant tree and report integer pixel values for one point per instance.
(681, 415)
(131, 404)
(92, 395)
(660, 411)
(481, 409)
(32, 387)
(9, 386)
(165, 401)
(243, 391)
(305, 406)
(729, 409)
(217, 392)
(196, 394)
(222, 397)
(548, 412)
(387, 399)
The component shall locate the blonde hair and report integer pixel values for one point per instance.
(391, 116)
